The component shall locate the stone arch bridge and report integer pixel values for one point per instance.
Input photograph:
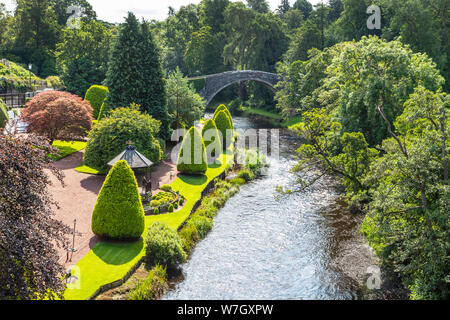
(217, 82)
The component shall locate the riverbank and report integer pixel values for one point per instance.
(145, 282)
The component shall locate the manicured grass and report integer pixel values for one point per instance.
(88, 170)
(109, 262)
(264, 113)
(66, 148)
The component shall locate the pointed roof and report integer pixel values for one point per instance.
(134, 159)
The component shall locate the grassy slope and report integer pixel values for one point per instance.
(109, 262)
(274, 116)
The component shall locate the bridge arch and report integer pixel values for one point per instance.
(217, 82)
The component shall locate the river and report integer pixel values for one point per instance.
(301, 246)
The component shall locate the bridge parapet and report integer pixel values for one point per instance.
(217, 82)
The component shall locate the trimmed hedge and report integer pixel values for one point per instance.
(118, 213)
(224, 123)
(96, 96)
(4, 117)
(224, 108)
(195, 147)
(212, 140)
(163, 246)
(110, 136)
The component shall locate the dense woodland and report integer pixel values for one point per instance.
(373, 103)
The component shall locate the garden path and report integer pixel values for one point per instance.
(77, 199)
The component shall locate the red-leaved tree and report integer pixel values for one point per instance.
(58, 115)
(29, 267)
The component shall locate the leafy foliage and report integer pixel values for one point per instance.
(224, 124)
(212, 140)
(118, 212)
(4, 117)
(58, 115)
(153, 287)
(135, 74)
(110, 136)
(163, 246)
(192, 158)
(29, 235)
(96, 95)
(184, 105)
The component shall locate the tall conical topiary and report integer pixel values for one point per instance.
(135, 74)
(118, 213)
(224, 108)
(96, 95)
(192, 157)
(4, 117)
(213, 140)
(225, 126)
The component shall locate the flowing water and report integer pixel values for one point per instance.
(267, 248)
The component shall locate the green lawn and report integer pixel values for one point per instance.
(109, 262)
(264, 113)
(66, 148)
(88, 170)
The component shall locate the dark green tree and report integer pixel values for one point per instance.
(260, 6)
(135, 74)
(283, 8)
(304, 6)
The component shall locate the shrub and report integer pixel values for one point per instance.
(171, 208)
(224, 124)
(166, 187)
(202, 224)
(153, 287)
(118, 212)
(104, 110)
(222, 107)
(96, 95)
(58, 115)
(175, 205)
(110, 136)
(192, 157)
(212, 139)
(163, 246)
(156, 211)
(238, 181)
(181, 201)
(4, 117)
(189, 236)
(247, 175)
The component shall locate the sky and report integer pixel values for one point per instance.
(115, 10)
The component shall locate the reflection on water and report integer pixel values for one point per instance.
(263, 248)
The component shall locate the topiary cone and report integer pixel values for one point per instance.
(212, 140)
(118, 213)
(192, 157)
(225, 125)
(224, 108)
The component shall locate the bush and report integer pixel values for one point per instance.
(189, 236)
(153, 287)
(181, 201)
(156, 211)
(104, 110)
(222, 107)
(202, 224)
(247, 175)
(212, 139)
(163, 246)
(171, 208)
(224, 124)
(111, 135)
(238, 181)
(118, 212)
(175, 205)
(96, 95)
(58, 116)
(192, 157)
(166, 187)
(4, 117)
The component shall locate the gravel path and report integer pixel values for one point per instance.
(77, 199)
